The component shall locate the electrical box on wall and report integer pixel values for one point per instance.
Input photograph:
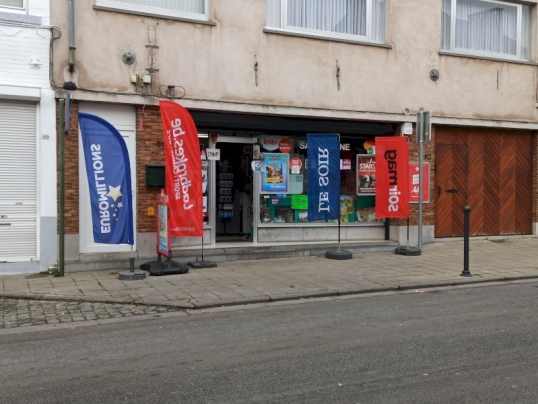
(155, 176)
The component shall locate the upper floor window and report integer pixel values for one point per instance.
(16, 4)
(362, 20)
(190, 9)
(487, 28)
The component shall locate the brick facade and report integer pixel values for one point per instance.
(535, 177)
(149, 150)
(71, 171)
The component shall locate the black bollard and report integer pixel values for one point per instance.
(466, 212)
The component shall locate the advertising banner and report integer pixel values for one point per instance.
(183, 171)
(109, 179)
(163, 233)
(365, 174)
(414, 182)
(392, 178)
(323, 176)
(275, 175)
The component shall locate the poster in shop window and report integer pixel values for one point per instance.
(414, 182)
(275, 177)
(365, 174)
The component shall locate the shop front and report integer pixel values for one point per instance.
(257, 180)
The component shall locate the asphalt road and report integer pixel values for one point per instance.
(475, 345)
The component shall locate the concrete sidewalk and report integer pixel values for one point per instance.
(243, 282)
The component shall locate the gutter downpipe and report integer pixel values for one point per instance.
(72, 48)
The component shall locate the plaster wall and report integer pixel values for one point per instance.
(216, 62)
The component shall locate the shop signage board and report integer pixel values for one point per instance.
(275, 175)
(183, 171)
(270, 144)
(392, 178)
(414, 182)
(323, 176)
(366, 174)
(163, 231)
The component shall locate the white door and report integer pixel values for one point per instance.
(123, 118)
(18, 181)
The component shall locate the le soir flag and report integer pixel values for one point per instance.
(109, 179)
(323, 176)
(392, 177)
(183, 168)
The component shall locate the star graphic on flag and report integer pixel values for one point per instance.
(114, 192)
(120, 205)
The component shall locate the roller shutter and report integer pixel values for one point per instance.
(18, 185)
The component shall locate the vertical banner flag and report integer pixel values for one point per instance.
(109, 179)
(323, 176)
(183, 170)
(392, 177)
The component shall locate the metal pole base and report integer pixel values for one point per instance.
(337, 254)
(202, 264)
(467, 274)
(132, 276)
(406, 250)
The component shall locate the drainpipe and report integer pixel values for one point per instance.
(71, 14)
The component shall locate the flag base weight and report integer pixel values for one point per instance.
(168, 267)
(132, 276)
(337, 254)
(202, 264)
(406, 250)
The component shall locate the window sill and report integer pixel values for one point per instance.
(17, 17)
(324, 38)
(160, 16)
(314, 224)
(493, 59)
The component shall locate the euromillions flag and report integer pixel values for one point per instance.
(109, 179)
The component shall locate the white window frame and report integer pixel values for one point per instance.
(19, 10)
(452, 42)
(162, 12)
(327, 34)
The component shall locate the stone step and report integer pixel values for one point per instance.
(231, 252)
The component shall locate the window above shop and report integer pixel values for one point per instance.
(356, 20)
(181, 9)
(487, 28)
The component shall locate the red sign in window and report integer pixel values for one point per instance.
(285, 146)
(414, 182)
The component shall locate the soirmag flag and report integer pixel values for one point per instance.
(109, 180)
(323, 176)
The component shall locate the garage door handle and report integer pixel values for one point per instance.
(452, 191)
(5, 224)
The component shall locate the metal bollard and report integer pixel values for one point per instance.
(466, 212)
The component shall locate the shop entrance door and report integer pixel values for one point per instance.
(451, 189)
(234, 190)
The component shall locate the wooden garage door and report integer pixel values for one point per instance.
(491, 171)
